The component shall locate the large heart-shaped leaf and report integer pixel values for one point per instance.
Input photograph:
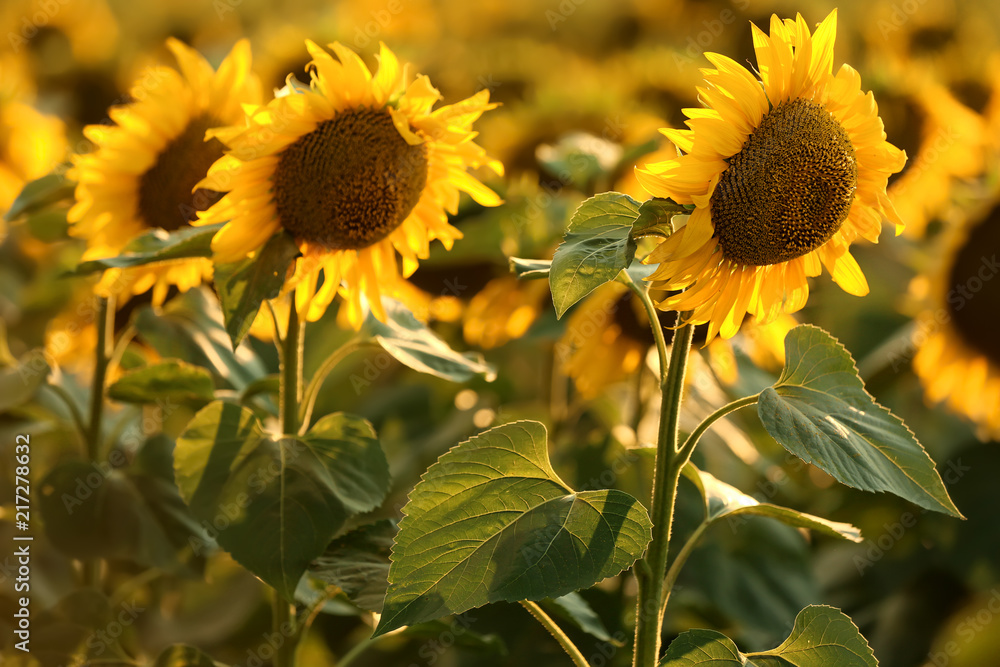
(491, 521)
(723, 500)
(822, 636)
(276, 501)
(245, 285)
(819, 411)
(597, 246)
(411, 343)
(156, 245)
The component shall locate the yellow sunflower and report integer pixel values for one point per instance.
(145, 168)
(784, 174)
(503, 310)
(958, 350)
(357, 168)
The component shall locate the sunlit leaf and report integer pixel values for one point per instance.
(39, 193)
(597, 245)
(276, 501)
(819, 411)
(491, 521)
(530, 269)
(822, 636)
(245, 285)
(654, 218)
(156, 245)
(411, 343)
(170, 380)
(723, 500)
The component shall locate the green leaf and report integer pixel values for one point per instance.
(492, 522)
(276, 501)
(530, 269)
(169, 380)
(458, 631)
(598, 244)
(182, 655)
(40, 193)
(358, 564)
(723, 500)
(822, 636)
(655, 217)
(819, 411)
(156, 245)
(411, 343)
(243, 286)
(94, 511)
(19, 383)
(572, 606)
(190, 327)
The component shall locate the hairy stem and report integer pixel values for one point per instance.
(556, 632)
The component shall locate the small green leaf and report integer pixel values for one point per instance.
(411, 343)
(598, 244)
(19, 383)
(530, 269)
(156, 245)
(182, 655)
(573, 607)
(40, 193)
(655, 217)
(458, 628)
(276, 501)
(819, 411)
(169, 380)
(243, 286)
(358, 564)
(722, 500)
(491, 521)
(822, 636)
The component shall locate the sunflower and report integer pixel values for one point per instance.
(783, 173)
(958, 352)
(357, 169)
(144, 170)
(503, 310)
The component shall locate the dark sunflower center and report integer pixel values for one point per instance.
(166, 199)
(789, 188)
(350, 182)
(973, 298)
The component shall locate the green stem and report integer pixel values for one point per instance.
(283, 615)
(356, 650)
(312, 391)
(678, 563)
(557, 633)
(692, 440)
(74, 411)
(669, 461)
(102, 353)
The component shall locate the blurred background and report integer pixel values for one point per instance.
(584, 85)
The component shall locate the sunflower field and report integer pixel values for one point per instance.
(416, 333)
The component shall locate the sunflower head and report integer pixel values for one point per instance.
(143, 172)
(359, 168)
(783, 174)
(958, 351)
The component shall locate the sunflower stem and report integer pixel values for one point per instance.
(291, 348)
(669, 462)
(557, 633)
(312, 391)
(102, 354)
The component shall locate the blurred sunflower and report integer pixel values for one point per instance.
(958, 356)
(356, 168)
(784, 173)
(145, 168)
(503, 310)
